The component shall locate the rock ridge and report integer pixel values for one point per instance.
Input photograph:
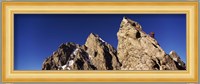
(136, 50)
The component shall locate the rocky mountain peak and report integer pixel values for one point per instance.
(139, 51)
(131, 23)
(93, 35)
(94, 38)
(102, 52)
(95, 54)
(136, 50)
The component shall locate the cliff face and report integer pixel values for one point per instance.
(103, 55)
(136, 51)
(140, 51)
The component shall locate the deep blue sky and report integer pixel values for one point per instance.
(38, 35)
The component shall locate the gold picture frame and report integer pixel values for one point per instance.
(11, 8)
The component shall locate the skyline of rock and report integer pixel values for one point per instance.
(136, 50)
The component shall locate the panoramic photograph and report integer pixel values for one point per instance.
(133, 42)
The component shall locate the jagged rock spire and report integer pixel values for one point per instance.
(126, 22)
(103, 55)
(139, 51)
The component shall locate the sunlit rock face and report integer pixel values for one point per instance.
(136, 50)
(102, 54)
(140, 51)
(96, 54)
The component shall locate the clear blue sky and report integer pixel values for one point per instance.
(38, 35)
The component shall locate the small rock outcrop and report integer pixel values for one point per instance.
(179, 63)
(136, 50)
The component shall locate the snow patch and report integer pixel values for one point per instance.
(101, 40)
(75, 51)
(63, 67)
(171, 52)
(124, 20)
(68, 68)
(71, 62)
